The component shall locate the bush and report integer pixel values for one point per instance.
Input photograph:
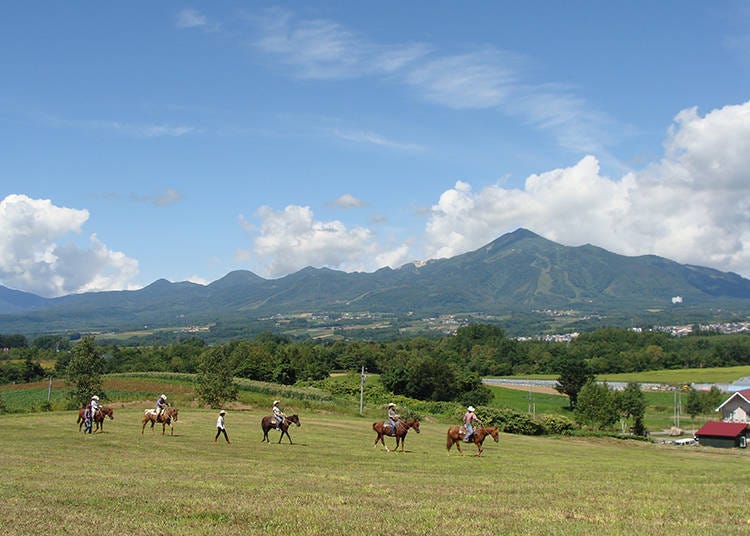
(556, 424)
(511, 421)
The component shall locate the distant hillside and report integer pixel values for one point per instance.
(519, 271)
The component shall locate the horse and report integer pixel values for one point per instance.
(269, 422)
(98, 418)
(167, 418)
(456, 436)
(402, 427)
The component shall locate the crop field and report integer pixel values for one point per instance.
(332, 481)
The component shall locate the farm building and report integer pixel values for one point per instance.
(736, 408)
(722, 434)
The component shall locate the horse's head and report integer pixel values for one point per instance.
(172, 412)
(415, 425)
(294, 419)
(109, 412)
(493, 431)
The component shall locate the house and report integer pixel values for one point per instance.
(736, 408)
(723, 434)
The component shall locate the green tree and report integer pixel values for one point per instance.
(574, 374)
(694, 404)
(631, 404)
(596, 406)
(215, 380)
(84, 371)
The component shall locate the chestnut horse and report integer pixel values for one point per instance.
(269, 422)
(383, 429)
(167, 418)
(98, 418)
(456, 437)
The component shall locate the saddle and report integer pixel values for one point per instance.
(388, 430)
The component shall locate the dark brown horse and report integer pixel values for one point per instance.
(456, 436)
(167, 418)
(269, 422)
(402, 427)
(98, 419)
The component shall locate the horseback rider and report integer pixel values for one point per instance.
(393, 416)
(278, 414)
(161, 405)
(91, 408)
(469, 417)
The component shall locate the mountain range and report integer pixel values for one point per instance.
(520, 271)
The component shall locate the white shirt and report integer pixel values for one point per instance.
(220, 422)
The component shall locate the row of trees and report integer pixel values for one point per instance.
(477, 348)
(445, 368)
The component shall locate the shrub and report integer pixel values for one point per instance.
(556, 424)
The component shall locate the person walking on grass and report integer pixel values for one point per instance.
(220, 428)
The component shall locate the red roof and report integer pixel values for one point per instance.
(722, 429)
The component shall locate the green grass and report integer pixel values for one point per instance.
(682, 376)
(332, 481)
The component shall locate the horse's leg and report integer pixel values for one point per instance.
(458, 446)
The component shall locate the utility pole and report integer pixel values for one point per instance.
(362, 390)
(49, 389)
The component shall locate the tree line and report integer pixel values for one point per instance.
(439, 368)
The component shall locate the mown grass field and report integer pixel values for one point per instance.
(332, 481)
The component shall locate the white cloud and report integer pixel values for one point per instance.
(190, 18)
(348, 201)
(364, 136)
(321, 49)
(484, 78)
(135, 130)
(31, 259)
(168, 197)
(692, 206)
(292, 239)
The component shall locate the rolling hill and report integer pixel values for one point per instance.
(519, 271)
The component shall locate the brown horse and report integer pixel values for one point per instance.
(269, 422)
(456, 436)
(167, 418)
(98, 418)
(383, 429)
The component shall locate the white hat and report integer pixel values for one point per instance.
(222, 412)
(391, 404)
(94, 397)
(275, 402)
(163, 396)
(471, 408)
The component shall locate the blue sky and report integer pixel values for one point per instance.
(184, 140)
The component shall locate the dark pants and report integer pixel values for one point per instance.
(220, 431)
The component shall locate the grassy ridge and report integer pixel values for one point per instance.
(332, 481)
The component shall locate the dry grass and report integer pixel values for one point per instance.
(332, 481)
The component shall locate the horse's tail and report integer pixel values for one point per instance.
(375, 426)
(449, 440)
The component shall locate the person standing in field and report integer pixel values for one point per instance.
(91, 410)
(220, 427)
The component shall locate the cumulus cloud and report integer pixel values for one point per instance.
(693, 205)
(31, 259)
(291, 239)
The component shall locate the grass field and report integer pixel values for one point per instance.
(332, 481)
